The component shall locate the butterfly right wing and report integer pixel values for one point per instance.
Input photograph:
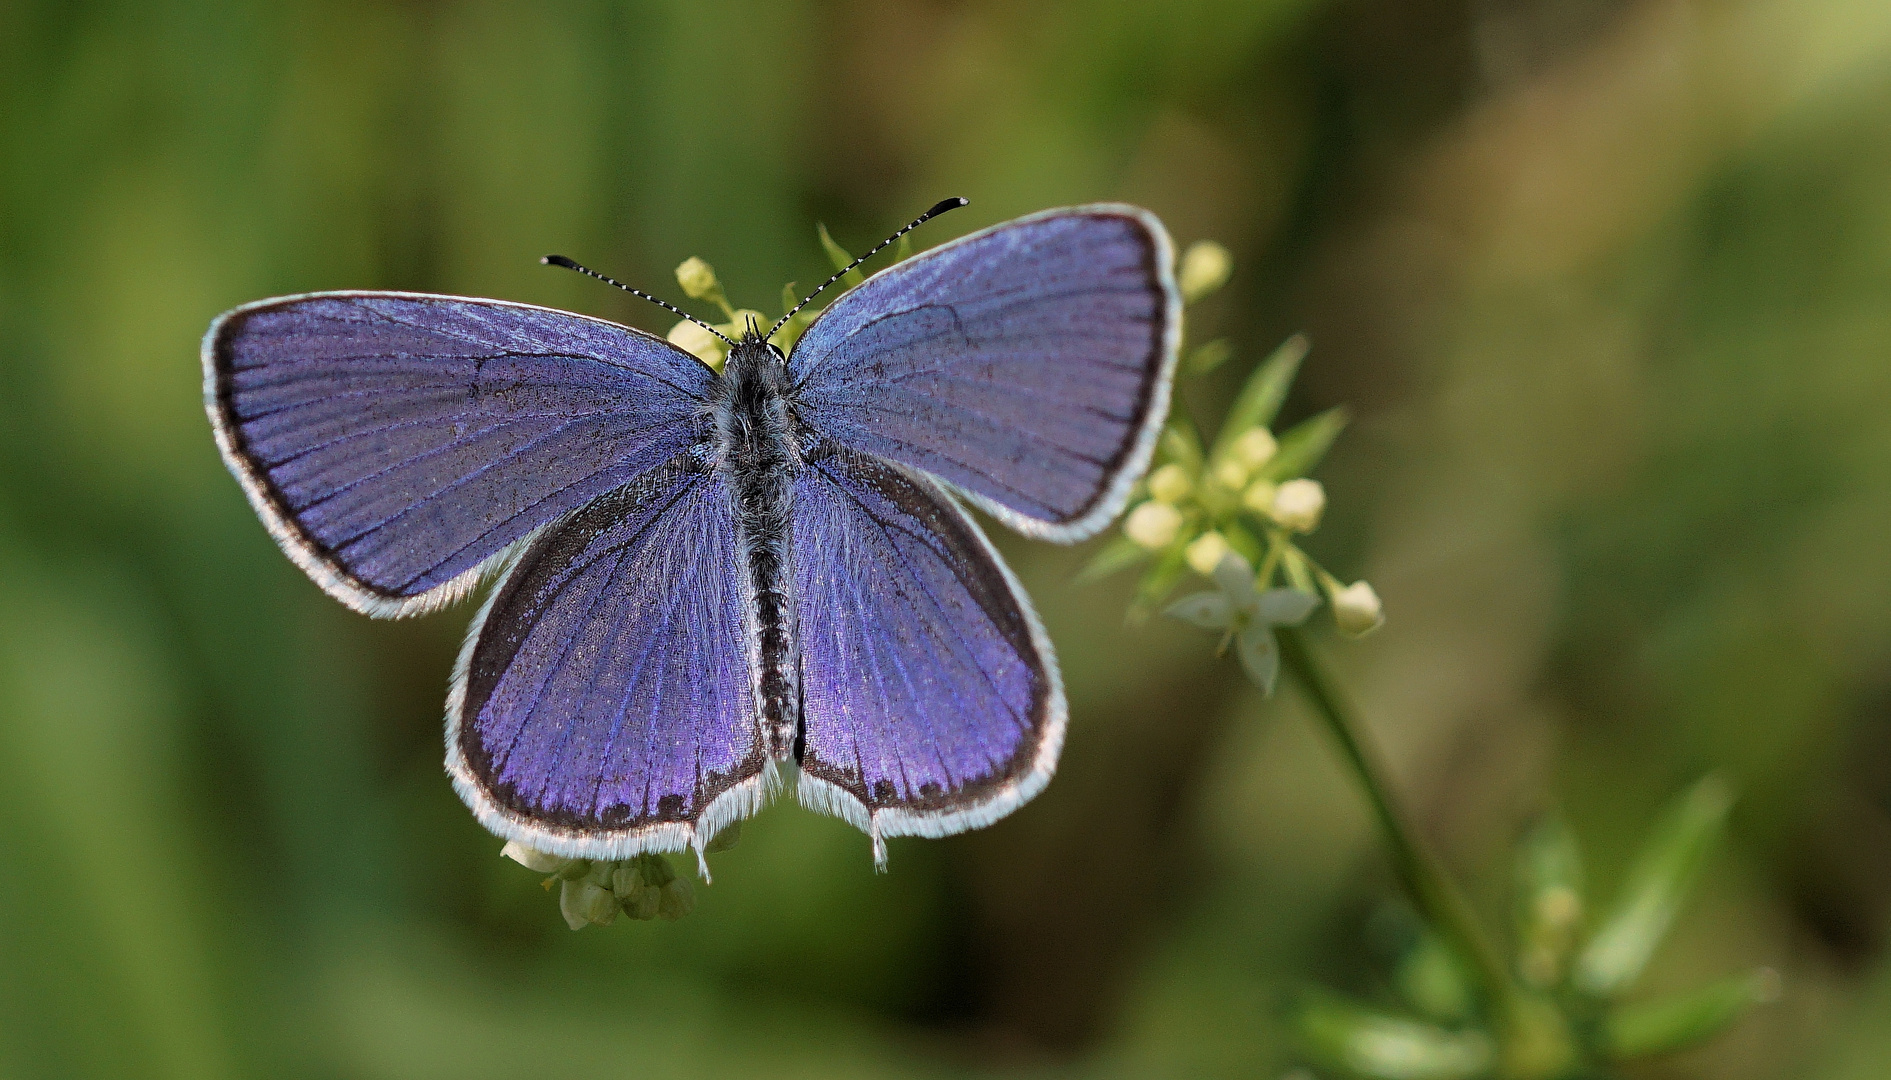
(396, 443)
(604, 704)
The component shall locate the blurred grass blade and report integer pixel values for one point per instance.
(839, 257)
(1549, 901)
(1684, 1020)
(1259, 401)
(1345, 1036)
(1120, 553)
(1206, 358)
(1302, 448)
(1182, 444)
(1431, 981)
(1159, 582)
(1663, 873)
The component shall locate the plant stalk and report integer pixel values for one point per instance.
(1533, 1040)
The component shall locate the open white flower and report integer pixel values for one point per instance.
(1247, 614)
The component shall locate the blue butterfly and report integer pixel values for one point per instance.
(701, 574)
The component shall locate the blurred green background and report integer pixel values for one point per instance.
(1607, 283)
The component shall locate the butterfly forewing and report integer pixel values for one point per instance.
(605, 705)
(395, 442)
(1027, 365)
(931, 700)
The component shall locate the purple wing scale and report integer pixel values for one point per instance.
(604, 706)
(931, 698)
(395, 443)
(1027, 365)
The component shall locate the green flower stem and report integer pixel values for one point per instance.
(1534, 1042)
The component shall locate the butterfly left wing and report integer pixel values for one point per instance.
(396, 443)
(931, 701)
(1028, 365)
(603, 705)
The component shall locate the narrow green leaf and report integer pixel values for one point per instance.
(1684, 1020)
(839, 257)
(1206, 358)
(1549, 901)
(1119, 554)
(1242, 540)
(1160, 580)
(1182, 444)
(1662, 875)
(903, 249)
(1302, 448)
(1431, 979)
(1345, 1036)
(1259, 401)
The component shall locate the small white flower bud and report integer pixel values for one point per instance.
(698, 342)
(1298, 505)
(1205, 553)
(697, 278)
(1259, 497)
(1170, 484)
(1153, 525)
(531, 858)
(1357, 610)
(1255, 447)
(1206, 266)
(1231, 473)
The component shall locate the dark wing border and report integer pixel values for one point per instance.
(1114, 490)
(295, 541)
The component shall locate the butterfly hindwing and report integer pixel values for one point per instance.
(604, 704)
(931, 698)
(394, 443)
(1027, 365)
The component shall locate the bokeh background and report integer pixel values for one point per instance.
(1607, 284)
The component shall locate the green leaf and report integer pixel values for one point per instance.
(1182, 444)
(1160, 580)
(1342, 1035)
(903, 250)
(1120, 553)
(1684, 1020)
(1206, 358)
(1302, 448)
(839, 257)
(1243, 541)
(1432, 980)
(1259, 401)
(1662, 875)
(1549, 901)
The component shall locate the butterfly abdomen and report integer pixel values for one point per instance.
(758, 449)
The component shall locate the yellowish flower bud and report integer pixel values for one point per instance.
(698, 342)
(1255, 447)
(1205, 553)
(1259, 497)
(1170, 484)
(1231, 474)
(1206, 267)
(741, 319)
(532, 858)
(697, 278)
(1298, 505)
(1357, 610)
(1153, 525)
